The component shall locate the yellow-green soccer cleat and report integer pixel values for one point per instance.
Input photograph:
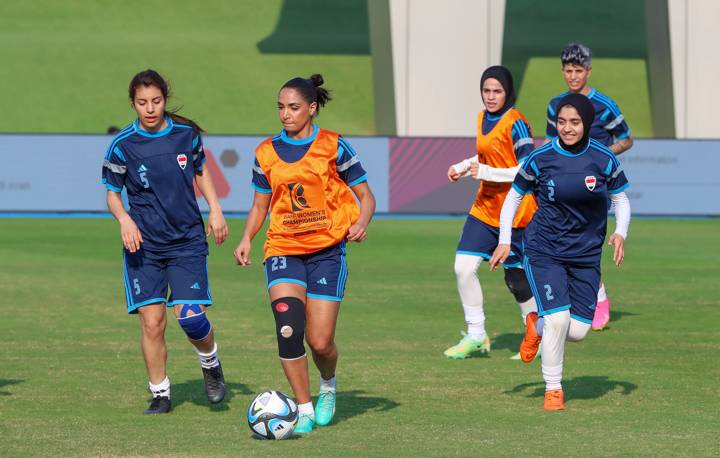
(467, 346)
(325, 408)
(304, 425)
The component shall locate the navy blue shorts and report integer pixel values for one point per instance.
(147, 279)
(322, 273)
(480, 239)
(559, 286)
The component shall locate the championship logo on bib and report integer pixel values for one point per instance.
(182, 161)
(590, 182)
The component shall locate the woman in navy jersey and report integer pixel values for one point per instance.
(573, 179)
(157, 159)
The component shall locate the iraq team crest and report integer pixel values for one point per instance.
(182, 162)
(590, 182)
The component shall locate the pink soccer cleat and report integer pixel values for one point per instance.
(602, 315)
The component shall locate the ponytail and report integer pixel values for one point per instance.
(311, 90)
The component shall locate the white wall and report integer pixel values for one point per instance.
(695, 67)
(440, 49)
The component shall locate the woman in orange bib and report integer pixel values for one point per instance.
(503, 141)
(308, 178)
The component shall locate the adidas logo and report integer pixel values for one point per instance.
(322, 281)
(195, 286)
(142, 168)
(551, 183)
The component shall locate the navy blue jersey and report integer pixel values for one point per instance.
(521, 134)
(608, 126)
(572, 192)
(158, 169)
(290, 150)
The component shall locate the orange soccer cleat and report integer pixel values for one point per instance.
(554, 400)
(531, 341)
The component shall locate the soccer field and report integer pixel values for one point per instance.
(73, 382)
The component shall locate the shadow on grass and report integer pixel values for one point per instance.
(8, 382)
(194, 391)
(356, 402)
(585, 387)
(508, 341)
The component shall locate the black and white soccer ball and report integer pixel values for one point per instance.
(272, 415)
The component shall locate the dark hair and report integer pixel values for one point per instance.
(152, 78)
(576, 53)
(310, 90)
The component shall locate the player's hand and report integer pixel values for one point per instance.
(618, 244)
(217, 226)
(453, 174)
(474, 167)
(357, 233)
(242, 252)
(130, 234)
(499, 256)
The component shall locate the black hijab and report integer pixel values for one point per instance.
(587, 113)
(505, 78)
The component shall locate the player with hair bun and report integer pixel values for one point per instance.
(503, 141)
(157, 158)
(608, 127)
(573, 179)
(308, 178)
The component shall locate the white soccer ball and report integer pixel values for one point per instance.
(272, 415)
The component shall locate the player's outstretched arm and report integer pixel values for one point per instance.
(255, 219)
(129, 232)
(216, 221)
(507, 215)
(358, 231)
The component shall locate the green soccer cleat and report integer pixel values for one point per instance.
(304, 425)
(325, 408)
(466, 346)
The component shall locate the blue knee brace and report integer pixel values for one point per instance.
(196, 326)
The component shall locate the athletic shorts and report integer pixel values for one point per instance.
(147, 280)
(559, 285)
(480, 239)
(322, 273)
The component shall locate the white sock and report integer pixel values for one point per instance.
(306, 409)
(161, 389)
(327, 385)
(471, 294)
(602, 295)
(555, 331)
(527, 307)
(208, 360)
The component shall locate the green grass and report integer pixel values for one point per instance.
(625, 80)
(66, 65)
(73, 381)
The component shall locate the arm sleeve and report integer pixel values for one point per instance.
(522, 140)
(551, 128)
(114, 169)
(198, 153)
(348, 164)
(259, 180)
(622, 213)
(507, 215)
(614, 122)
(497, 175)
